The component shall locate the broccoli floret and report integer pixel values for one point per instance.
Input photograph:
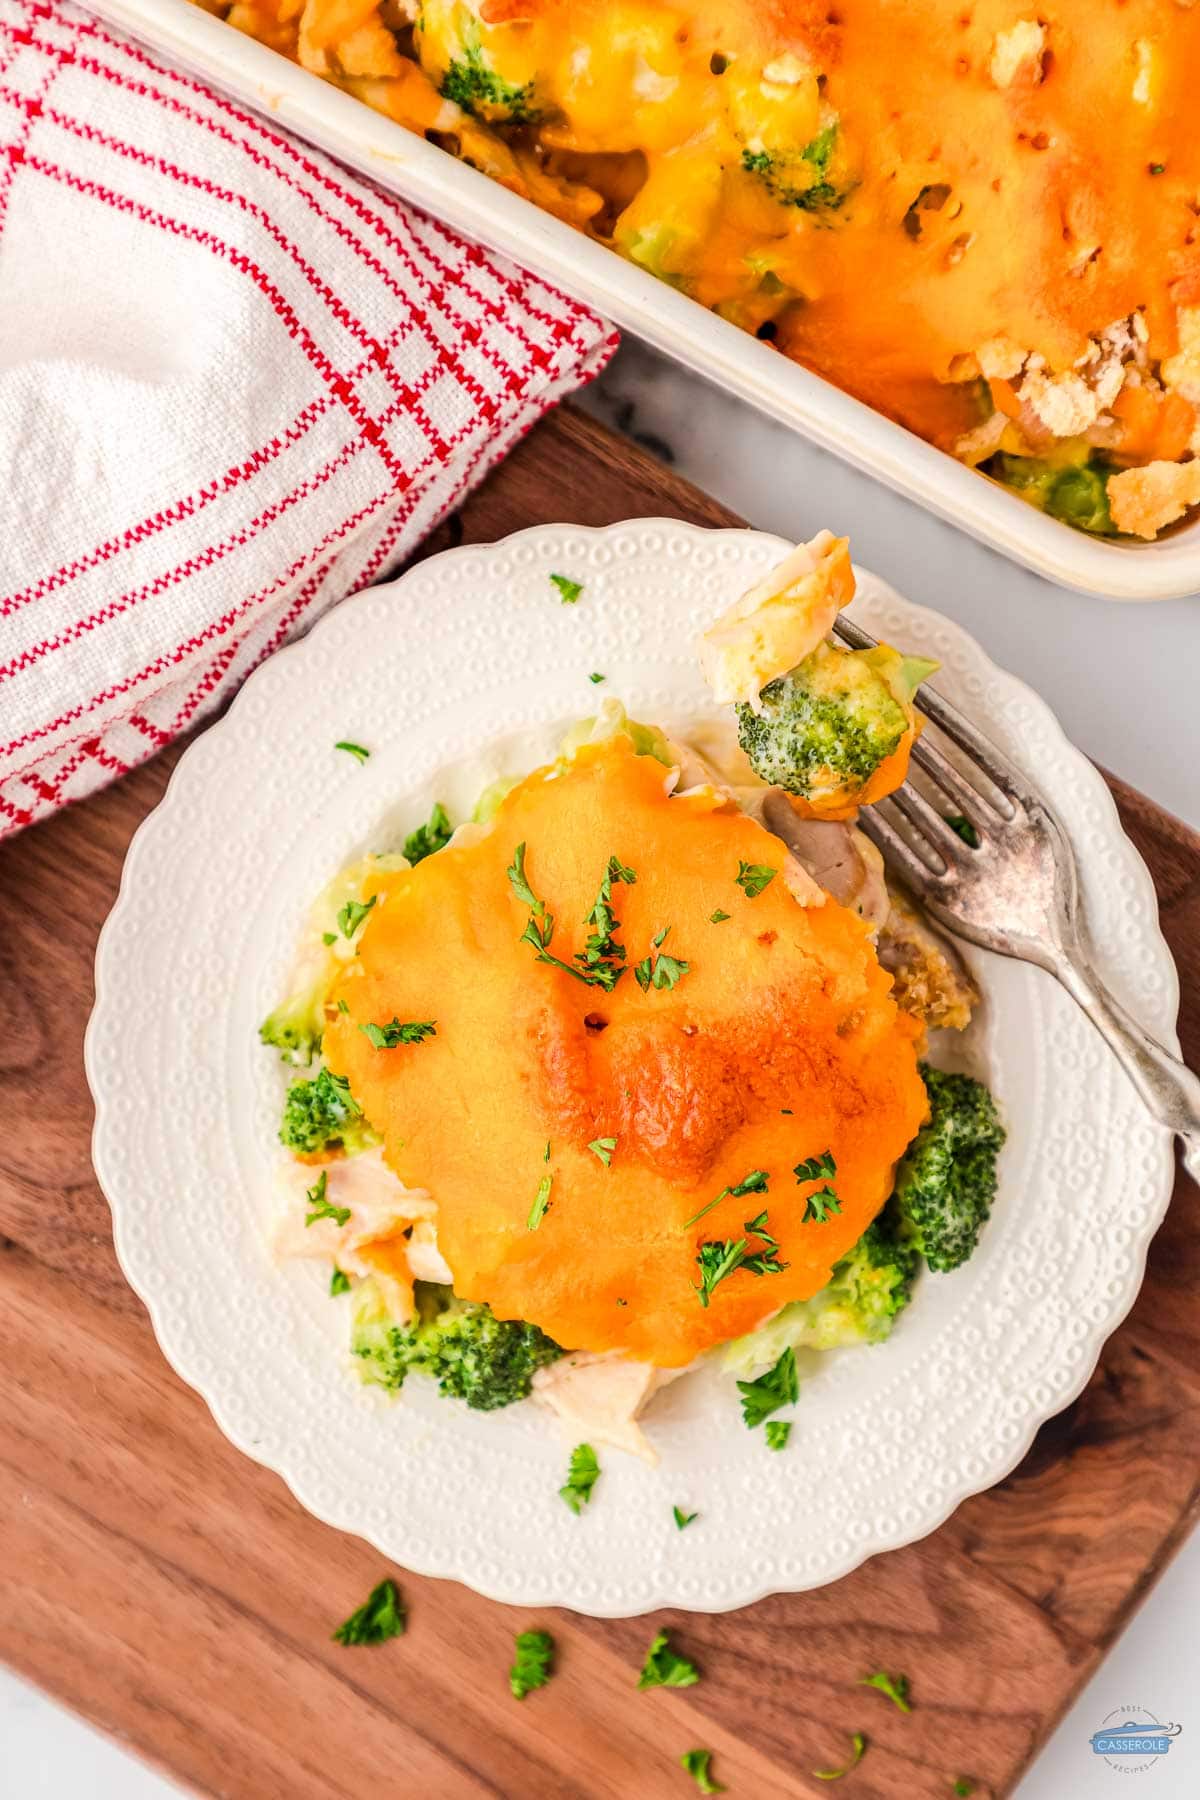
(946, 1181)
(800, 177)
(824, 728)
(472, 83)
(859, 1305)
(323, 1114)
(296, 1027)
(472, 1355)
(1076, 493)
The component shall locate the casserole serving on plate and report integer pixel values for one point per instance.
(1026, 306)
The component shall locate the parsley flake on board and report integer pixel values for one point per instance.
(752, 878)
(698, 1764)
(568, 589)
(719, 1259)
(753, 1183)
(339, 1283)
(777, 1387)
(352, 915)
(894, 1686)
(603, 1148)
(778, 1432)
(582, 1477)
(859, 1744)
(534, 1662)
(663, 1667)
(391, 1036)
(428, 838)
(380, 1617)
(354, 750)
(682, 1519)
(323, 1208)
(537, 1211)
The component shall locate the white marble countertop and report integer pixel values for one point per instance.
(1122, 680)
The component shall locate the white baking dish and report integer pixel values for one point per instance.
(399, 160)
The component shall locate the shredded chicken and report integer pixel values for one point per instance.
(372, 1240)
(601, 1397)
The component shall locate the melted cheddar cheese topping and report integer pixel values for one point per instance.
(982, 218)
(779, 1041)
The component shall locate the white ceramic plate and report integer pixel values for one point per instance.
(404, 163)
(466, 667)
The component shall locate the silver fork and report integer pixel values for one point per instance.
(1017, 892)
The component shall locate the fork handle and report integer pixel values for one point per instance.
(1169, 1088)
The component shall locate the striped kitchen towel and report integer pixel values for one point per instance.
(236, 384)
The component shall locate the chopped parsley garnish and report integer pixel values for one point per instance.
(380, 1617)
(664, 1668)
(824, 1203)
(698, 1763)
(339, 1283)
(859, 1744)
(391, 1036)
(1157, 168)
(354, 750)
(660, 971)
(568, 589)
(603, 1148)
(430, 837)
(329, 937)
(602, 959)
(965, 829)
(753, 1183)
(682, 1519)
(778, 1432)
(718, 917)
(342, 1007)
(537, 1211)
(546, 1152)
(778, 1387)
(520, 886)
(534, 1662)
(582, 1477)
(352, 915)
(752, 878)
(719, 1259)
(894, 1686)
(323, 1208)
(820, 1207)
(596, 679)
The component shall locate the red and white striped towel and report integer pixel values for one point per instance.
(236, 384)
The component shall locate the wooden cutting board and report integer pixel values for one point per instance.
(173, 1591)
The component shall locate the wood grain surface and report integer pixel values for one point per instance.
(174, 1593)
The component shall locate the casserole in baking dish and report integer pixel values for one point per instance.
(979, 218)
